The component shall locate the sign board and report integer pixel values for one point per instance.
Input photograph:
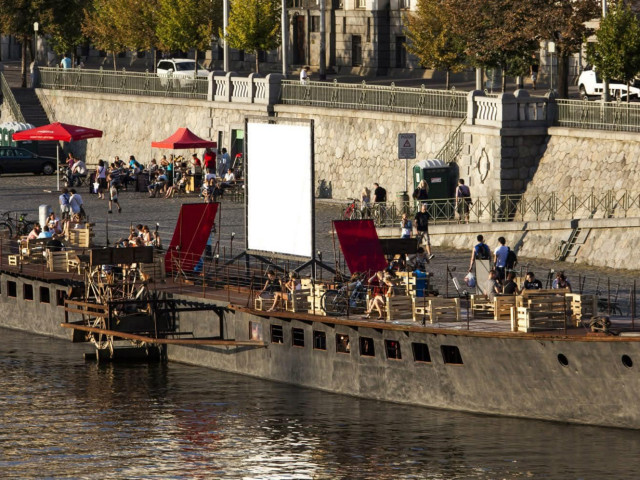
(407, 145)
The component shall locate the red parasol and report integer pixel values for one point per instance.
(184, 138)
(58, 131)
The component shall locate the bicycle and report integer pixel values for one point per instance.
(352, 212)
(339, 302)
(18, 226)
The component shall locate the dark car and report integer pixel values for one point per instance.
(21, 160)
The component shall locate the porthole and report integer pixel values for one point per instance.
(626, 361)
(564, 361)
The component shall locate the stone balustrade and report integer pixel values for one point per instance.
(514, 110)
(230, 87)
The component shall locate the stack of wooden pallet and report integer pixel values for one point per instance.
(540, 312)
(81, 237)
(399, 307)
(436, 309)
(502, 305)
(582, 307)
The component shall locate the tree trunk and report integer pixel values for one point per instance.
(257, 63)
(113, 55)
(563, 75)
(23, 65)
(447, 79)
(196, 59)
(504, 78)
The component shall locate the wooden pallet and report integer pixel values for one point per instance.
(582, 307)
(154, 272)
(540, 312)
(436, 309)
(81, 237)
(65, 261)
(502, 307)
(298, 301)
(480, 304)
(399, 307)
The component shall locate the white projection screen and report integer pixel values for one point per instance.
(279, 187)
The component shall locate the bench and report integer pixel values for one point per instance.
(398, 307)
(32, 250)
(540, 312)
(436, 309)
(64, 261)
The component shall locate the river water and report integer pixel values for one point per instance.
(63, 417)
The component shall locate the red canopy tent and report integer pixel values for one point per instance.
(58, 131)
(184, 138)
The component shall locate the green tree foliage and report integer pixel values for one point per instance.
(616, 55)
(101, 26)
(432, 38)
(16, 18)
(564, 23)
(62, 22)
(254, 26)
(186, 24)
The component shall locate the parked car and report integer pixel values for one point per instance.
(21, 160)
(590, 86)
(181, 70)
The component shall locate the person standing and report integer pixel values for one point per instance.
(101, 179)
(534, 71)
(65, 63)
(463, 201)
(422, 227)
(65, 207)
(196, 169)
(224, 163)
(406, 226)
(365, 201)
(304, 75)
(77, 205)
(209, 159)
(379, 194)
(421, 193)
(500, 258)
(480, 252)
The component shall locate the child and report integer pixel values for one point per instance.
(113, 198)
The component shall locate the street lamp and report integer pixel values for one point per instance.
(551, 48)
(36, 27)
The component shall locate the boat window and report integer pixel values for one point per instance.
(342, 343)
(319, 340)
(277, 336)
(44, 295)
(255, 331)
(297, 337)
(366, 347)
(11, 289)
(626, 361)
(421, 352)
(451, 354)
(60, 297)
(27, 291)
(564, 361)
(393, 349)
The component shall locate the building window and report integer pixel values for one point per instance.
(61, 295)
(366, 347)
(393, 349)
(315, 23)
(297, 337)
(44, 295)
(27, 291)
(11, 289)
(262, 56)
(451, 354)
(342, 343)
(319, 340)
(241, 55)
(277, 336)
(421, 352)
(361, 3)
(344, 24)
(404, 3)
(368, 29)
(338, 4)
(356, 50)
(255, 331)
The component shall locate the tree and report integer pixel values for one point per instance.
(617, 51)
(564, 22)
(100, 25)
(17, 18)
(496, 33)
(254, 25)
(62, 21)
(432, 38)
(187, 24)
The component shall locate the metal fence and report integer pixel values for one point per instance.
(615, 116)
(416, 101)
(11, 100)
(506, 208)
(124, 83)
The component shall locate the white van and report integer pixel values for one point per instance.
(590, 86)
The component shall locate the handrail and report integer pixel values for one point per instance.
(450, 150)
(8, 96)
(611, 116)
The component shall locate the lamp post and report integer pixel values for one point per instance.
(36, 27)
(551, 48)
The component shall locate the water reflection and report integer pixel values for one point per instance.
(61, 416)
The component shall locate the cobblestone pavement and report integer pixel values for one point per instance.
(25, 193)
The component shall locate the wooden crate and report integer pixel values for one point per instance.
(65, 261)
(528, 320)
(436, 309)
(399, 307)
(502, 307)
(298, 301)
(479, 303)
(582, 306)
(81, 237)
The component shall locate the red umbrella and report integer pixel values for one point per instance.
(58, 131)
(184, 138)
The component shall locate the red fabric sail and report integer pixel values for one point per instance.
(190, 236)
(360, 245)
(58, 131)
(184, 138)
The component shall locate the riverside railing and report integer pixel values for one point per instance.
(507, 208)
(362, 96)
(612, 116)
(7, 94)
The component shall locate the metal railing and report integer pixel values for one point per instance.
(450, 150)
(507, 208)
(415, 101)
(612, 116)
(124, 83)
(7, 94)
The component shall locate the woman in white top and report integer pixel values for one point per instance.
(101, 179)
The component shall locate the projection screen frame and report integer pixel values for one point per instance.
(271, 253)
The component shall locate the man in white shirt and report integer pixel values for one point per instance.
(500, 258)
(78, 170)
(304, 75)
(75, 202)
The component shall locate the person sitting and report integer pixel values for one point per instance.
(271, 286)
(78, 171)
(380, 284)
(561, 282)
(492, 286)
(210, 188)
(147, 237)
(153, 167)
(177, 187)
(229, 179)
(510, 287)
(531, 282)
(54, 224)
(419, 260)
(159, 184)
(45, 233)
(35, 232)
(290, 287)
